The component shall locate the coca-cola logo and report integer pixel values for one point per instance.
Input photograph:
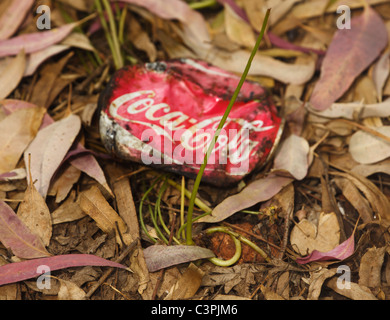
(171, 136)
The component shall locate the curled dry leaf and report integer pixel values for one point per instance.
(49, 148)
(353, 195)
(15, 236)
(379, 202)
(292, 157)
(159, 256)
(317, 279)
(370, 269)
(366, 148)
(306, 237)
(35, 214)
(69, 210)
(12, 74)
(17, 130)
(350, 52)
(19, 271)
(93, 203)
(70, 291)
(380, 73)
(63, 182)
(187, 284)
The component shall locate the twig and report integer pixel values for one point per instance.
(285, 234)
(103, 278)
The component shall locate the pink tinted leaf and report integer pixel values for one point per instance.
(13, 16)
(16, 174)
(49, 148)
(159, 256)
(17, 237)
(88, 164)
(349, 54)
(19, 271)
(257, 191)
(36, 58)
(36, 41)
(341, 252)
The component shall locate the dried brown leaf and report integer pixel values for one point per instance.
(354, 291)
(380, 73)
(367, 148)
(69, 210)
(187, 284)
(63, 182)
(70, 291)
(35, 214)
(12, 74)
(352, 194)
(306, 237)
(49, 148)
(292, 157)
(371, 266)
(16, 132)
(93, 203)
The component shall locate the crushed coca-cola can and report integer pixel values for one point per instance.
(165, 114)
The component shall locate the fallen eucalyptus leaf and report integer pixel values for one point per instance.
(15, 235)
(36, 41)
(292, 157)
(12, 74)
(306, 237)
(350, 52)
(17, 130)
(19, 271)
(341, 252)
(49, 148)
(257, 191)
(159, 256)
(367, 148)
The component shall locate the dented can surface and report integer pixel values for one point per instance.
(165, 114)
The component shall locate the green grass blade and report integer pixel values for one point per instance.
(189, 240)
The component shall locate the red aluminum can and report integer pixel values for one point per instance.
(164, 114)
